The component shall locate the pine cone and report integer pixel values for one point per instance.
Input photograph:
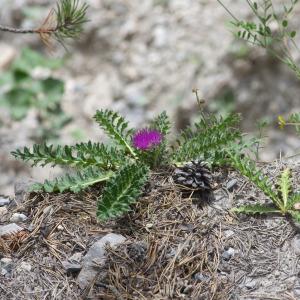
(195, 175)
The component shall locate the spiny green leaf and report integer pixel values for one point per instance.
(293, 199)
(116, 127)
(285, 186)
(81, 155)
(161, 123)
(255, 209)
(209, 140)
(122, 190)
(295, 215)
(74, 183)
(248, 168)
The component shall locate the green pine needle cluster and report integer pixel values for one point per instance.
(282, 195)
(64, 22)
(122, 166)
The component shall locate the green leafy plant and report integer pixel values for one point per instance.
(293, 120)
(125, 166)
(283, 198)
(280, 41)
(63, 22)
(20, 92)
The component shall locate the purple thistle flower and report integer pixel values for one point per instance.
(146, 138)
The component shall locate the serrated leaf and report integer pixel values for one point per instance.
(255, 209)
(161, 123)
(122, 190)
(81, 155)
(74, 183)
(285, 186)
(116, 127)
(295, 215)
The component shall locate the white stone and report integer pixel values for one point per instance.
(25, 266)
(97, 253)
(3, 211)
(10, 229)
(16, 217)
(295, 243)
(6, 261)
(4, 201)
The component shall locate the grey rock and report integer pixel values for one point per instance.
(6, 266)
(3, 211)
(231, 184)
(250, 284)
(3, 272)
(76, 257)
(4, 201)
(295, 243)
(6, 261)
(71, 267)
(201, 277)
(21, 189)
(24, 266)
(96, 257)
(9, 229)
(228, 254)
(16, 217)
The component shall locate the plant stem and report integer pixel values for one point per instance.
(17, 30)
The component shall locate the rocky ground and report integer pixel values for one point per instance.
(144, 57)
(141, 57)
(173, 245)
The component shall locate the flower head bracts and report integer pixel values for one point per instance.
(146, 139)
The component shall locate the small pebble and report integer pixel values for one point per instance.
(4, 272)
(231, 184)
(250, 284)
(60, 228)
(16, 217)
(3, 211)
(6, 261)
(4, 201)
(71, 267)
(228, 254)
(76, 257)
(295, 243)
(201, 277)
(25, 266)
(9, 229)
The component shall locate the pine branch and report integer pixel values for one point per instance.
(122, 190)
(81, 155)
(116, 127)
(74, 183)
(66, 21)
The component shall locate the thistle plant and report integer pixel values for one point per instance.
(125, 166)
(285, 201)
(63, 22)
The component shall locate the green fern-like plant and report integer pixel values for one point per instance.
(282, 196)
(125, 165)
